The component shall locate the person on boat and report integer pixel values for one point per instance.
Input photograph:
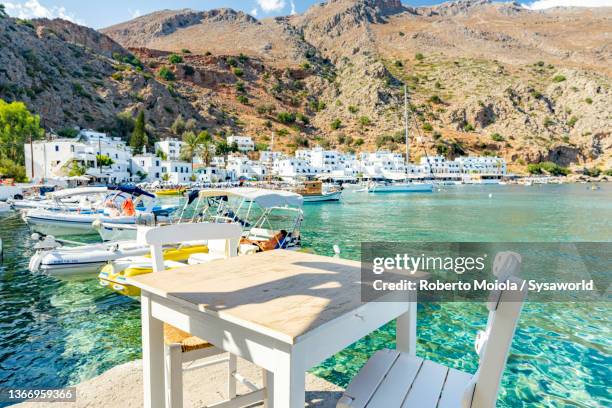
(111, 208)
(278, 241)
(127, 208)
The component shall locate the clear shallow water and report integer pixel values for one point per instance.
(54, 333)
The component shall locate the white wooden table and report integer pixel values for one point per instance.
(284, 311)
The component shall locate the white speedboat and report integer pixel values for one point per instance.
(50, 222)
(53, 259)
(324, 196)
(70, 199)
(388, 187)
(57, 222)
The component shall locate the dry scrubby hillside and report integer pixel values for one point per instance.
(488, 78)
(484, 77)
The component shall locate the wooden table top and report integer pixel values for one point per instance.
(284, 294)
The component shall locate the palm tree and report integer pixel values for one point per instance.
(192, 146)
(208, 149)
(206, 152)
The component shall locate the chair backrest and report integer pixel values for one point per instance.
(157, 237)
(493, 345)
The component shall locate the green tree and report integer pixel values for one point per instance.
(76, 169)
(12, 170)
(191, 125)
(124, 124)
(17, 127)
(165, 177)
(191, 147)
(161, 154)
(207, 149)
(178, 126)
(139, 135)
(336, 124)
(104, 160)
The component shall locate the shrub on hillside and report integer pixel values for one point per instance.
(175, 59)
(166, 74)
(286, 117)
(559, 78)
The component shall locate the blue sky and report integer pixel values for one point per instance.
(100, 14)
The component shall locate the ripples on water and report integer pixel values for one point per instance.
(54, 333)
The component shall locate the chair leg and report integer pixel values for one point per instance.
(174, 376)
(231, 379)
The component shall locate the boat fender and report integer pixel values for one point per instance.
(35, 261)
(96, 224)
(47, 243)
(336, 251)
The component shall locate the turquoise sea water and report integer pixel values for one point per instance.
(54, 333)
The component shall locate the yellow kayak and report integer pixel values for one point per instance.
(113, 275)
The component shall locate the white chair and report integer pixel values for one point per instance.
(181, 347)
(391, 379)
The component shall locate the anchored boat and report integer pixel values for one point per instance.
(402, 187)
(121, 206)
(270, 219)
(51, 258)
(312, 191)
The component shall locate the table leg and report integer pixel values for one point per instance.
(288, 385)
(405, 331)
(152, 356)
(268, 384)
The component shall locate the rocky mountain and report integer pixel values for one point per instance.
(483, 77)
(75, 76)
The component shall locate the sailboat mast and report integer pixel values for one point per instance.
(406, 124)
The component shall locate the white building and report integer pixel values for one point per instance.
(211, 174)
(170, 147)
(244, 143)
(265, 156)
(146, 167)
(241, 167)
(55, 158)
(482, 165)
(178, 172)
(292, 167)
(382, 164)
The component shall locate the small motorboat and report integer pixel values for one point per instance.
(52, 258)
(122, 205)
(402, 187)
(312, 191)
